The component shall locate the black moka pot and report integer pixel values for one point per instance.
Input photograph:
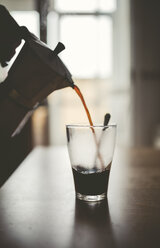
(36, 72)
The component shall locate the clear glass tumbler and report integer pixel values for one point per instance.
(91, 151)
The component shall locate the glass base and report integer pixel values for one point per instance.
(91, 197)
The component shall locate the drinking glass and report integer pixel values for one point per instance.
(91, 151)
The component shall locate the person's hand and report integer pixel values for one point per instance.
(10, 36)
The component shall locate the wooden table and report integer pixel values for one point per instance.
(38, 207)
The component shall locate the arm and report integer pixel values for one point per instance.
(10, 36)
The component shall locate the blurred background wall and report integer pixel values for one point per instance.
(145, 71)
(112, 51)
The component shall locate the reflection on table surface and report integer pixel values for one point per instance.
(38, 206)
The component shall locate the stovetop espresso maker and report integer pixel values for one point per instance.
(36, 72)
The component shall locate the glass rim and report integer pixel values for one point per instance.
(89, 126)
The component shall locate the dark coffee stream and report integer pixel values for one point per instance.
(85, 106)
(91, 123)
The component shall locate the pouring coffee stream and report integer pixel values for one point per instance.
(106, 120)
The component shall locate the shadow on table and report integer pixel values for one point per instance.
(92, 225)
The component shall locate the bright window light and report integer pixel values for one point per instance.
(88, 42)
(85, 5)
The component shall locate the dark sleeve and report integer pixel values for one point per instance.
(10, 36)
